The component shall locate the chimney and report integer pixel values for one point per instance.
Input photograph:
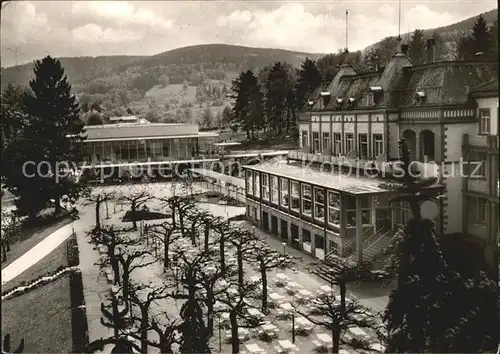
(404, 49)
(431, 52)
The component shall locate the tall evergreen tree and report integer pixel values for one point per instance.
(52, 139)
(276, 97)
(308, 80)
(417, 47)
(481, 36)
(248, 106)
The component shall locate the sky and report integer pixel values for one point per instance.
(31, 30)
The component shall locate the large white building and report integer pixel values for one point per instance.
(357, 119)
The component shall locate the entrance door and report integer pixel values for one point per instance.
(295, 236)
(265, 221)
(274, 225)
(284, 230)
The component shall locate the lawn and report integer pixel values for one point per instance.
(42, 317)
(49, 264)
(30, 237)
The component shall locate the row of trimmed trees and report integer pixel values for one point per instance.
(195, 246)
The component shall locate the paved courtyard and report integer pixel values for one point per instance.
(306, 283)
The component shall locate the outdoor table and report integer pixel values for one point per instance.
(282, 276)
(303, 323)
(255, 279)
(286, 306)
(358, 331)
(269, 328)
(286, 345)
(254, 312)
(275, 297)
(324, 338)
(305, 293)
(325, 290)
(254, 348)
(377, 347)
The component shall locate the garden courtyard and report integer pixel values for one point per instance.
(293, 293)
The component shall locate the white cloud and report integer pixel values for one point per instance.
(148, 27)
(26, 25)
(122, 13)
(92, 33)
(236, 17)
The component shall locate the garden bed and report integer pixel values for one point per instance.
(144, 215)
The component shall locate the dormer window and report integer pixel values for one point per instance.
(370, 101)
(339, 101)
(326, 95)
(310, 103)
(351, 101)
(420, 95)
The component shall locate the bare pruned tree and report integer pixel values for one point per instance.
(179, 206)
(144, 296)
(245, 242)
(135, 201)
(237, 305)
(266, 259)
(337, 318)
(335, 308)
(96, 198)
(167, 234)
(111, 237)
(131, 259)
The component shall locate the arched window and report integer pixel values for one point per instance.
(410, 136)
(427, 143)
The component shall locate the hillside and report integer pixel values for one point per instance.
(188, 83)
(447, 33)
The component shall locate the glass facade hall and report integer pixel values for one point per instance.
(126, 151)
(339, 220)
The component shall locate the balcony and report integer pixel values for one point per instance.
(340, 160)
(385, 167)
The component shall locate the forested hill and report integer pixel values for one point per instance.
(451, 32)
(213, 61)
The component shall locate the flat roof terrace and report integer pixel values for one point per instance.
(352, 184)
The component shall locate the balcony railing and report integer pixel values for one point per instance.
(384, 166)
(340, 160)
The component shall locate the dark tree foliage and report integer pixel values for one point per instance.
(276, 93)
(479, 40)
(95, 119)
(433, 309)
(248, 109)
(308, 80)
(52, 136)
(417, 47)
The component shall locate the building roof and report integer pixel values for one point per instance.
(130, 131)
(332, 180)
(352, 184)
(488, 89)
(443, 83)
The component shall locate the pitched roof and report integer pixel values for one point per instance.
(489, 89)
(444, 83)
